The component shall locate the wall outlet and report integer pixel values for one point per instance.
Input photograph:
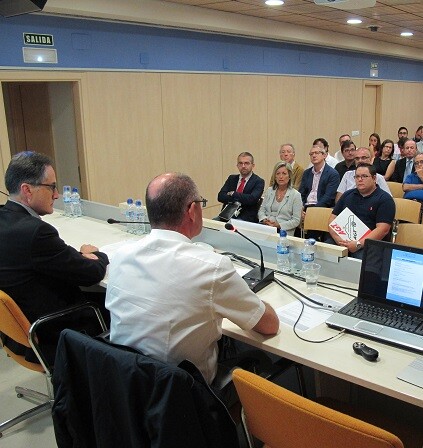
(355, 133)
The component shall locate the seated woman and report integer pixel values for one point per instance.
(374, 145)
(384, 164)
(282, 205)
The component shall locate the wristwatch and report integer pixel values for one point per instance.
(358, 245)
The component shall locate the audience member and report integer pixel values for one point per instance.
(370, 204)
(375, 145)
(338, 155)
(348, 149)
(402, 137)
(384, 164)
(413, 183)
(167, 296)
(37, 269)
(405, 166)
(322, 143)
(245, 188)
(362, 155)
(282, 205)
(419, 134)
(287, 153)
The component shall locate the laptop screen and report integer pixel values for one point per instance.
(392, 274)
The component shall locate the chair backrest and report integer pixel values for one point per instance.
(317, 218)
(407, 210)
(15, 325)
(410, 235)
(396, 189)
(280, 418)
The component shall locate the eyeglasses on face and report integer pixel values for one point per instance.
(315, 153)
(53, 186)
(244, 163)
(402, 133)
(418, 162)
(362, 176)
(350, 150)
(362, 158)
(201, 201)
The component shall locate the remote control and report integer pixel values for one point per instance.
(368, 353)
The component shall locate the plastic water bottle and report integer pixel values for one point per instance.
(307, 255)
(75, 200)
(282, 251)
(139, 218)
(67, 206)
(130, 215)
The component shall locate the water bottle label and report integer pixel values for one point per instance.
(282, 250)
(307, 258)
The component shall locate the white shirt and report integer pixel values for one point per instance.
(348, 182)
(167, 297)
(312, 196)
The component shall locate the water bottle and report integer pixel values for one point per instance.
(130, 215)
(307, 255)
(282, 251)
(75, 200)
(139, 218)
(67, 206)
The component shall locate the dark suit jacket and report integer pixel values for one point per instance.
(37, 269)
(249, 198)
(398, 174)
(326, 191)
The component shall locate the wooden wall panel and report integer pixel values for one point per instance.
(244, 121)
(124, 134)
(192, 129)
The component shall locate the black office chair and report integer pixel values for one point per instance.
(108, 396)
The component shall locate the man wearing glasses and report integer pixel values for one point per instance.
(368, 202)
(348, 152)
(37, 269)
(413, 184)
(361, 155)
(167, 296)
(245, 188)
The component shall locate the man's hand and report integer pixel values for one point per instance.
(88, 249)
(350, 245)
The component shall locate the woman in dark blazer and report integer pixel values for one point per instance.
(282, 205)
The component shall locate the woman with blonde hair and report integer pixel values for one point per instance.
(282, 205)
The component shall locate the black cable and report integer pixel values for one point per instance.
(2, 192)
(241, 259)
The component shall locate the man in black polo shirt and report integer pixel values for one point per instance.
(371, 204)
(348, 149)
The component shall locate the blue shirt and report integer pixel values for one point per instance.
(413, 179)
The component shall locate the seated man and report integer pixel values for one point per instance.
(413, 184)
(371, 204)
(362, 155)
(245, 188)
(287, 153)
(348, 149)
(405, 166)
(37, 269)
(167, 296)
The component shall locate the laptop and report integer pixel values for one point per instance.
(389, 303)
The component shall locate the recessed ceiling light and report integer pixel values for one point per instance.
(354, 21)
(274, 2)
(406, 34)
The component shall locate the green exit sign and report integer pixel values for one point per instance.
(38, 39)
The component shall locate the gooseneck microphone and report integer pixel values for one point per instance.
(257, 278)
(114, 221)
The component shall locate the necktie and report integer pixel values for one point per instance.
(408, 168)
(241, 186)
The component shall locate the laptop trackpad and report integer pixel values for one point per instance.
(368, 327)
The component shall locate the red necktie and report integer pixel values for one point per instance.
(241, 186)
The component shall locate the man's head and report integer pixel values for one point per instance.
(343, 138)
(173, 203)
(418, 162)
(410, 149)
(317, 156)
(348, 149)
(402, 132)
(365, 178)
(287, 152)
(245, 164)
(419, 133)
(401, 143)
(323, 143)
(362, 155)
(31, 180)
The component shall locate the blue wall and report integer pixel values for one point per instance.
(108, 45)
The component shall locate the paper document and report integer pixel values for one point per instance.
(348, 226)
(311, 317)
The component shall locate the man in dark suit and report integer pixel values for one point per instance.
(37, 269)
(405, 166)
(245, 188)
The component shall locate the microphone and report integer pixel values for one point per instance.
(257, 278)
(114, 221)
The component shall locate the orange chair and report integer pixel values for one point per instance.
(396, 189)
(282, 419)
(16, 326)
(316, 218)
(410, 235)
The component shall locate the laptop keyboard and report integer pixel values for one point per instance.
(390, 317)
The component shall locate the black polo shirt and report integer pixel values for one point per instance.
(342, 168)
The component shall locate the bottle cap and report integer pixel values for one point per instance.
(130, 201)
(282, 233)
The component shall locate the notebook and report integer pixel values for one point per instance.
(389, 303)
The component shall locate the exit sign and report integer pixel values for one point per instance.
(38, 39)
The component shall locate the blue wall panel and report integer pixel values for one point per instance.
(109, 45)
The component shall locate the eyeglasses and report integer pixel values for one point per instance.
(244, 163)
(201, 201)
(362, 158)
(418, 162)
(350, 150)
(53, 187)
(362, 176)
(402, 133)
(315, 153)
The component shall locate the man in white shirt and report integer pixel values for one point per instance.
(323, 143)
(362, 155)
(167, 296)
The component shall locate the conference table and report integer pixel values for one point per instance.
(334, 357)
